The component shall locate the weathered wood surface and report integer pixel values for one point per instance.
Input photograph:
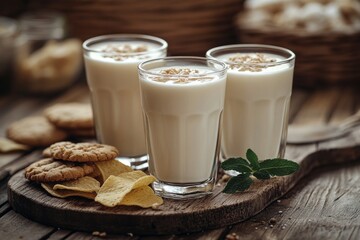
(323, 205)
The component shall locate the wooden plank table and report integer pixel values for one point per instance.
(324, 205)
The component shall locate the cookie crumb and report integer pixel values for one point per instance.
(99, 234)
(232, 236)
(225, 178)
(155, 206)
(272, 221)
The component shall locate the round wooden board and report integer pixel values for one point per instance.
(172, 217)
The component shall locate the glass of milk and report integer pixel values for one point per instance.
(259, 83)
(111, 68)
(183, 100)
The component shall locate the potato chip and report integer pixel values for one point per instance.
(115, 188)
(60, 193)
(84, 184)
(7, 145)
(112, 167)
(143, 197)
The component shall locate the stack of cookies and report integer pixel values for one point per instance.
(59, 122)
(69, 161)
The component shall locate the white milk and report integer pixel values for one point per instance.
(256, 110)
(115, 95)
(183, 127)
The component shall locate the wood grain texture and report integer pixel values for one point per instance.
(15, 226)
(59, 234)
(214, 211)
(323, 206)
(317, 108)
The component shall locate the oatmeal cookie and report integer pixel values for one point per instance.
(35, 131)
(70, 115)
(50, 170)
(83, 152)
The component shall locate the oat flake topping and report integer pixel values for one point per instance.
(112, 51)
(247, 62)
(181, 76)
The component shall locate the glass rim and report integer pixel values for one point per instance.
(222, 64)
(101, 38)
(210, 52)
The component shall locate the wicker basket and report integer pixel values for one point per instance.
(190, 27)
(320, 59)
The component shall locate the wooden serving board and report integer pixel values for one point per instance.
(181, 216)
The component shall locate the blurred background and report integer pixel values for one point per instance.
(40, 41)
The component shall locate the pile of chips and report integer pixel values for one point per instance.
(115, 184)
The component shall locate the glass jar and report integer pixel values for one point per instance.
(45, 62)
(42, 26)
(8, 31)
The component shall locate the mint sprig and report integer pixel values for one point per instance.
(251, 166)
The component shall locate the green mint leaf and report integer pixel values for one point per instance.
(261, 174)
(238, 183)
(252, 167)
(253, 159)
(279, 167)
(237, 164)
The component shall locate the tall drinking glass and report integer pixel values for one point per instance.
(183, 100)
(111, 68)
(259, 83)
